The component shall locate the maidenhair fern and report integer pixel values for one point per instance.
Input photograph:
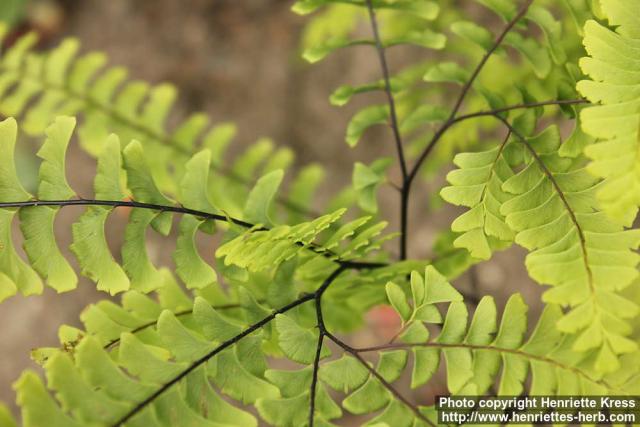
(611, 67)
(61, 82)
(256, 331)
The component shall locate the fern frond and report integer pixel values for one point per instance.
(40, 87)
(151, 208)
(478, 186)
(615, 122)
(258, 250)
(156, 363)
(587, 258)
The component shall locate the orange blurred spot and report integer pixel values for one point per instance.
(384, 321)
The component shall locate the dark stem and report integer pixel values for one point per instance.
(520, 107)
(395, 128)
(316, 361)
(322, 331)
(251, 329)
(404, 218)
(355, 353)
(387, 88)
(182, 210)
(410, 177)
(314, 379)
(465, 89)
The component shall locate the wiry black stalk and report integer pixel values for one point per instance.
(387, 88)
(394, 126)
(465, 89)
(182, 210)
(523, 106)
(314, 379)
(355, 353)
(248, 331)
(322, 331)
(454, 111)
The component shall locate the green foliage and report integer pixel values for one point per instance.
(335, 26)
(125, 352)
(476, 352)
(549, 207)
(152, 208)
(41, 86)
(478, 185)
(248, 333)
(575, 248)
(615, 122)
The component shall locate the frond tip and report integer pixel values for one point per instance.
(615, 121)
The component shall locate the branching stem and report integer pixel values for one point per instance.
(406, 189)
(395, 127)
(181, 210)
(393, 116)
(248, 331)
(355, 353)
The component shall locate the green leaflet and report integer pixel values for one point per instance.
(365, 118)
(615, 121)
(552, 31)
(15, 274)
(142, 184)
(52, 180)
(90, 247)
(144, 276)
(478, 186)
(193, 186)
(108, 183)
(10, 188)
(297, 343)
(190, 266)
(343, 374)
(573, 247)
(37, 225)
(213, 405)
(6, 420)
(41, 408)
(367, 180)
(292, 408)
(449, 72)
(474, 33)
(260, 200)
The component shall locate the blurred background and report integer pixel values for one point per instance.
(237, 61)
